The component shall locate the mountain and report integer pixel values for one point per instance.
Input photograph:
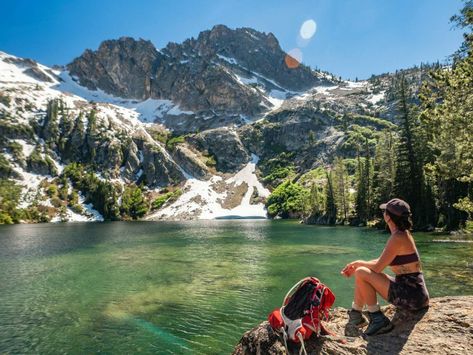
(188, 131)
(224, 76)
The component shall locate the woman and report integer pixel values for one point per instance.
(407, 290)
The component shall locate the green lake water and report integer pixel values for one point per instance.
(182, 288)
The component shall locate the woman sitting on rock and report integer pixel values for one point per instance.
(407, 290)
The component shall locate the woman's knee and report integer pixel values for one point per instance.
(362, 272)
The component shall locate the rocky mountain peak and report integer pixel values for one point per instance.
(119, 67)
(224, 76)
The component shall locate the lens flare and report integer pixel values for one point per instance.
(293, 58)
(308, 29)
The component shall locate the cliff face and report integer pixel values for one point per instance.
(445, 328)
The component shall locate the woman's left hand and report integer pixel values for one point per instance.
(350, 268)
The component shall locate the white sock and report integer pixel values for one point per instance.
(356, 307)
(373, 308)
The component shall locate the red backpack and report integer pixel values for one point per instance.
(305, 306)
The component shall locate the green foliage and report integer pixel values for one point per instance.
(133, 203)
(278, 174)
(9, 198)
(166, 197)
(364, 185)
(63, 190)
(160, 135)
(366, 121)
(50, 128)
(357, 136)
(277, 169)
(341, 186)
(15, 130)
(51, 191)
(91, 121)
(16, 149)
(383, 170)
(287, 200)
(409, 183)
(36, 161)
(73, 202)
(102, 194)
(330, 205)
(173, 141)
(5, 168)
(210, 161)
(5, 99)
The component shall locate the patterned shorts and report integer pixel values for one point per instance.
(408, 291)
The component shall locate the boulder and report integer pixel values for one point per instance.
(446, 327)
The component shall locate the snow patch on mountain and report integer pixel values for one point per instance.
(147, 110)
(228, 60)
(376, 98)
(203, 199)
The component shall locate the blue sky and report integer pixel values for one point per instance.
(354, 38)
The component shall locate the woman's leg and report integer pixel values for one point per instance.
(367, 284)
(358, 298)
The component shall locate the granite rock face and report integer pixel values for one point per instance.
(225, 146)
(446, 327)
(119, 67)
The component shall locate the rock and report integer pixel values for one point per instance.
(190, 161)
(120, 67)
(446, 327)
(225, 145)
(158, 169)
(38, 74)
(132, 162)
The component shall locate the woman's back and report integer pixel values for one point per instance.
(407, 258)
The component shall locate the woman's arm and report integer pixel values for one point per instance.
(376, 265)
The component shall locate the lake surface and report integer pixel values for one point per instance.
(182, 288)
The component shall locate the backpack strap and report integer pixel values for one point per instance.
(302, 349)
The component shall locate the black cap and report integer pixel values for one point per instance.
(397, 207)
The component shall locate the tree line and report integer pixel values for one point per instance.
(427, 160)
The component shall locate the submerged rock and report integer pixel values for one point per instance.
(446, 327)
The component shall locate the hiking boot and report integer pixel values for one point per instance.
(356, 318)
(379, 324)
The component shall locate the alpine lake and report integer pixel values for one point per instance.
(180, 287)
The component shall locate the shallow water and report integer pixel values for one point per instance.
(190, 287)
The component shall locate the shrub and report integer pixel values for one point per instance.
(287, 200)
(167, 197)
(51, 190)
(173, 141)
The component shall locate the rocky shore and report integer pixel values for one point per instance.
(446, 327)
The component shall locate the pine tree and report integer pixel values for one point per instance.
(363, 183)
(341, 188)
(330, 206)
(360, 210)
(367, 177)
(133, 203)
(383, 170)
(315, 207)
(409, 177)
(50, 128)
(91, 135)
